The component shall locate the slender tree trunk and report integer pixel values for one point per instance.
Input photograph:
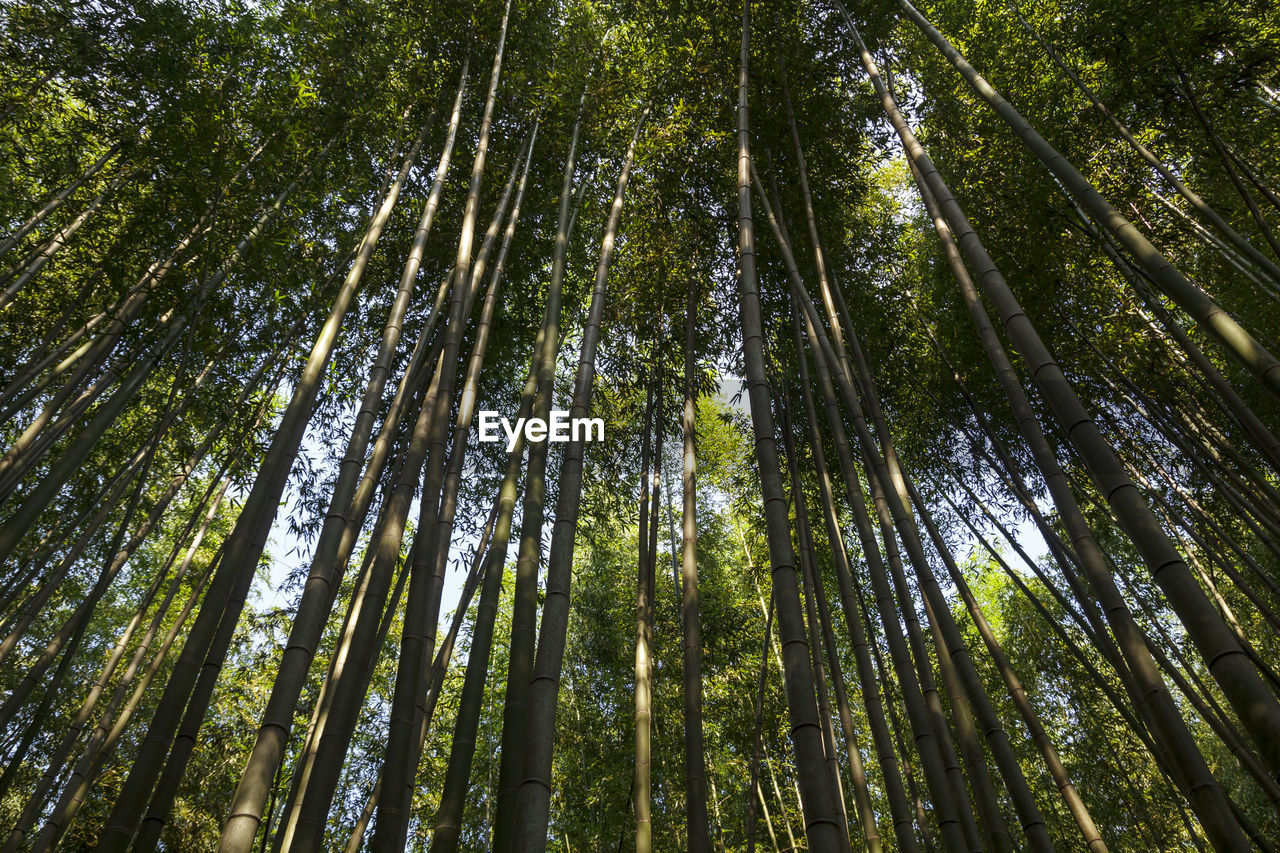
(84, 611)
(1263, 439)
(316, 603)
(111, 725)
(107, 501)
(870, 686)
(69, 637)
(356, 655)
(38, 499)
(408, 396)
(426, 578)
(908, 770)
(452, 478)
(808, 574)
(695, 769)
(820, 816)
(328, 737)
(755, 794)
(444, 654)
(41, 434)
(384, 628)
(1248, 270)
(448, 824)
(968, 737)
(965, 731)
(928, 723)
(511, 768)
(92, 354)
(792, 845)
(462, 748)
(107, 342)
(534, 800)
(640, 786)
(891, 473)
(52, 345)
(172, 411)
(1242, 679)
(212, 631)
(104, 737)
(1079, 812)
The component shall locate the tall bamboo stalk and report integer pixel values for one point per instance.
(256, 781)
(698, 835)
(212, 631)
(534, 800)
(1167, 566)
(821, 822)
(524, 612)
(426, 579)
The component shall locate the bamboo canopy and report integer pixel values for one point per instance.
(522, 427)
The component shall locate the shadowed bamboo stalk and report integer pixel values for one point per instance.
(104, 737)
(73, 456)
(698, 836)
(947, 631)
(524, 608)
(444, 654)
(929, 725)
(172, 412)
(755, 793)
(1243, 683)
(462, 745)
(809, 579)
(1079, 812)
(406, 399)
(1227, 157)
(887, 486)
(214, 626)
(426, 574)
(93, 353)
(640, 787)
(453, 469)
(353, 662)
(1226, 397)
(533, 803)
(870, 688)
(965, 733)
(111, 726)
(119, 555)
(820, 818)
(327, 566)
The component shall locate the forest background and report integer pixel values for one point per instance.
(939, 506)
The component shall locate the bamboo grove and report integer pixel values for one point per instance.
(938, 501)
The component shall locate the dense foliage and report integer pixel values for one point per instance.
(939, 500)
